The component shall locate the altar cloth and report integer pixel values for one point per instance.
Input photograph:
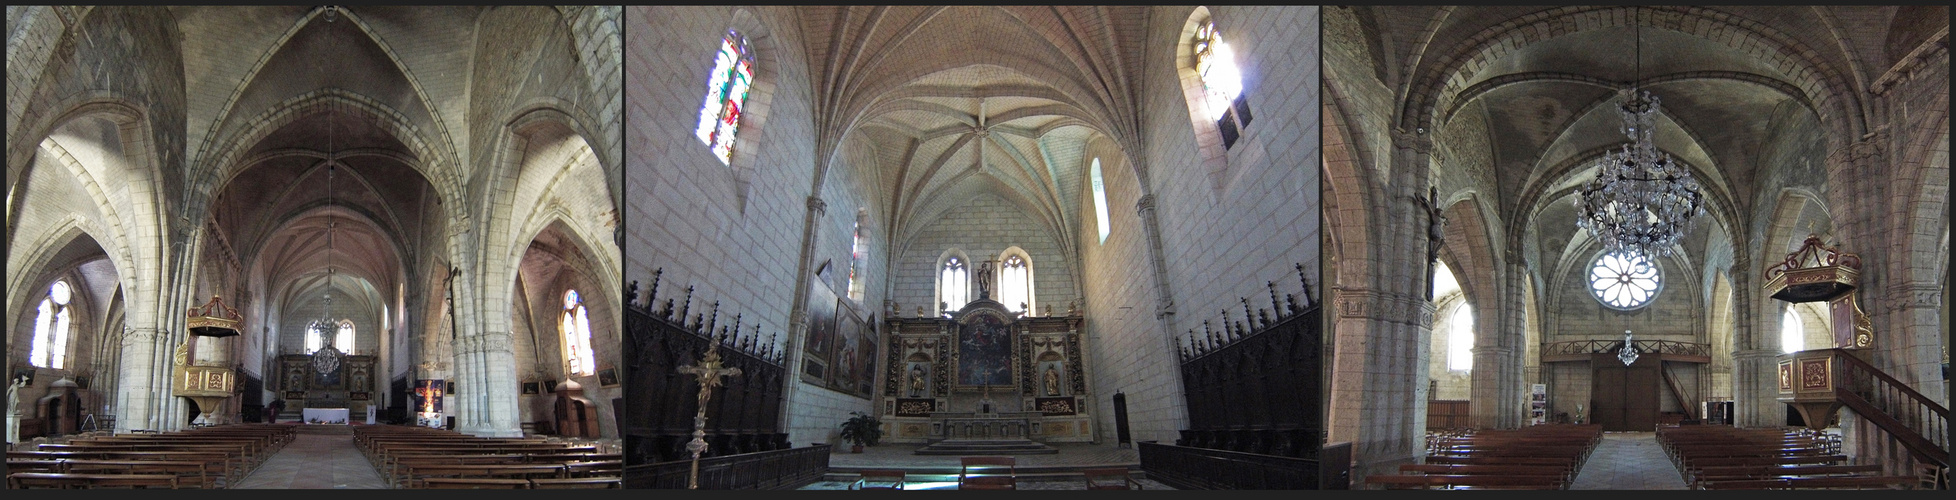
(325, 416)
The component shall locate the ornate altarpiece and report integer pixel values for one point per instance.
(985, 355)
(349, 386)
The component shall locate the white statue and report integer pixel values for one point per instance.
(13, 408)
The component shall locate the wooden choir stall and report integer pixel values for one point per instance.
(746, 443)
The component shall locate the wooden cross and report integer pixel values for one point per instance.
(708, 371)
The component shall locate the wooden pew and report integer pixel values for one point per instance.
(417, 476)
(475, 483)
(190, 474)
(600, 482)
(26, 480)
(1851, 483)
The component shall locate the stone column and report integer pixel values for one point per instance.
(1379, 363)
(1164, 306)
(140, 401)
(1378, 393)
(1498, 401)
(797, 317)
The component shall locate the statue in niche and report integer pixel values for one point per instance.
(985, 280)
(918, 387)
(1052, 381)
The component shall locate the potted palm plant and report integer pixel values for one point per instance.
(860, 430)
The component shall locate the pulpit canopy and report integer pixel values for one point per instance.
(1813, 273)
(214, 319)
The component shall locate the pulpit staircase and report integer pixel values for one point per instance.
(1919, 423)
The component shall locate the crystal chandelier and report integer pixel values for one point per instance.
(1628, 354)
(1641, 200)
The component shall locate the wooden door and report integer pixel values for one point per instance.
(1624, 398)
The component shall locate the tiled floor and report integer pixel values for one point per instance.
(315, 461)
(1628, 461)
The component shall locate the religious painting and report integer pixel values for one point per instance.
(1786, 376)
(608, 377)
(866, 364)
(532, 388)
(985, 351)
(845, 364)
(427, 396)
(821, 334)
(906, 407)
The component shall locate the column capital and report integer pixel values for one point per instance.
(1417, 140)
(816, 204)
(1146, 204)
(1857, 151)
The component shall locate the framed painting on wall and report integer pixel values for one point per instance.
(820, 344)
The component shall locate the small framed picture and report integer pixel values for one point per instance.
(532, 388)
(20, 373)
(608, 377)
(81, 382)
(549, 386)
(448, 388)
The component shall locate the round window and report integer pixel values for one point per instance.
(1622, 280)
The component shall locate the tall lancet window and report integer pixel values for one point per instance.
(1099, 200)
(1222, 82)
(315, 338)
(576, 330)
(1792, 334)
(726, 96)
(953, 283)
(344, 339)
(858, 254)
(1460, 340)
(1015, 284)
(49, 348)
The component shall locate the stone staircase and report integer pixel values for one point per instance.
(968, 447)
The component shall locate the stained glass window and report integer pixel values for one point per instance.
(1622, 280)
(1216, 63)
(1015, 284)
(49, 349)
(576, 330)
(1222, 82)
(726, 96)
(952, 283)
(1099, 200)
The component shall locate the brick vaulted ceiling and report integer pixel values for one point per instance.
(958, 102)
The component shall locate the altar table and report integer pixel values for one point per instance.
(325, 415)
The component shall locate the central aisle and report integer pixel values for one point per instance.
(1628, 461)
(313, 462)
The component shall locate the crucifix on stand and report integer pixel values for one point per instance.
(708, 371)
